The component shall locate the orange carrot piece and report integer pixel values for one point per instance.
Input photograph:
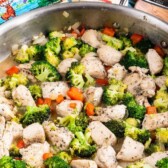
(159, 50)
(12, 70)
(47, 155)
(102, 82)
(59, 99)
(82, 31)
(75, 94)
(136, 38)
(20, 144)
(151, 110)
(90, 109)
(47, 101)
(39, 101)
(109, 31)
(72, 105)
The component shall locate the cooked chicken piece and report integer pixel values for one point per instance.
(25, 70)
(53, 89)
(119, 166)
(155, 61)
(91, 37)
(2, 126)
(160, 81)
(117, 71)
(151, 160)
(83, 163)
(10, 103)
(94, 67)
(12, 132)
(26, 66)
(63, 109)
(106, 157)
(91, 54)
(154, 121)
(139, 70)
(110, 112)
(93, 95)
(33, 154)
(108, 55)
(3, 150)
(131, 150)
(101, 135)
(142, 100)
(6, 112)
(22, 95)
(140, 84)
(58, 136)
(148, 87)
(33, 133)
(65, 65)
(133, 82)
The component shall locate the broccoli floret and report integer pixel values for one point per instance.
(69, 43)
(134, 109)
(162, 135)
(51, 57)
(65, 156)
(15, 80)
(74, 75)
(161, 100)
(14, 151)
(165, 68)
(163, 163)
(113, 42)
(137, 134)
(74, 123)
(117, 127)
(44, 71)
(8, 162)
(86, 48)
(35, 114)
(56, 162)
(55, 34)
(113, 93)
(131, 49)
(134, 59)
(81, 146)
(140, 164)
(144, 45)
(54, 45)
(35, 52)
(67, 54)
(22, 55)
(89, 81)
(133, 122)
(152, 147)
(35, 91)
(127, 42)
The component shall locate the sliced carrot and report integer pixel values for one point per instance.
(75, 94)
(90, 109)
(47, 101)
(136, 38)
(20, 144)
(72, 105)
(39, 101)
(59, 99)
(102, 82)
(151, 110)
(12, 70)
(109, 31)
(47, 155)
(74, 34)
(159, 50)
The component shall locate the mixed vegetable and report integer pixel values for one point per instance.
(85, 99)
